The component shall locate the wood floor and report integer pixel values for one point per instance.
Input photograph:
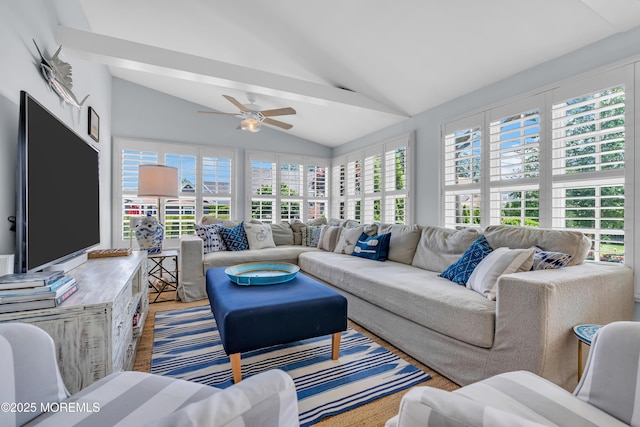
(371, 414)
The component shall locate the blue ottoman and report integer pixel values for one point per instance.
(254, 317)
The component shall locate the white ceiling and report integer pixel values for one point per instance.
(397, 58)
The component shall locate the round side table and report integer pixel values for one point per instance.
(585, 334)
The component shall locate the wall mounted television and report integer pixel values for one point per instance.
(57, 190)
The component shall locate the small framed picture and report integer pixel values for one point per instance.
(94, 125)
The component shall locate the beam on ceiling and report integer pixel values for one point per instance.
(140, 57)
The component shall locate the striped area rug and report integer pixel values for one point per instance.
(187, 346)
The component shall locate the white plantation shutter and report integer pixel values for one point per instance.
(204, 176)
(264, 188)
(296, 188)
(554, 160)
(514, 163)
(339, 188)
(217, 186)
(396, 182)
(374, 184)
(462, 171)
(317, 194)
(588, 168)
(372, 176)
(131, 204)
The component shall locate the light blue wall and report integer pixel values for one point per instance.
(20, 22)
(143, 113)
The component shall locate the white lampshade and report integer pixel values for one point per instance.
(157, 181)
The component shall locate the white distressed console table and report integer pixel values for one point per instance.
(94, 329)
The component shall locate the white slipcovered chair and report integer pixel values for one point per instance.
(32, 393)
(607, 395)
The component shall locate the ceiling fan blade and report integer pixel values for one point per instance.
(278, 112)
(277, 123)
(235, 102)
(217, 112)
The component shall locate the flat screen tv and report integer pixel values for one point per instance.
(57, 190)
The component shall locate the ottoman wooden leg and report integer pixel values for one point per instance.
(335, 345)
(236, 367)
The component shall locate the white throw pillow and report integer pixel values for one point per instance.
(259, 236)
(501, 261)
(348, 239)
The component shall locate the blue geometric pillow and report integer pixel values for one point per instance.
(546, 260)
(373, 247)
(212, 240)
(235, 238)
(460, 271)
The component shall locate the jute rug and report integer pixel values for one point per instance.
(374, 413)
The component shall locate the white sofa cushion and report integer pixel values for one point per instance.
(413, 293)
(282, 233)
(404, 239)
(440, 247)
(573, 243)
(348, 239)
(283, 253)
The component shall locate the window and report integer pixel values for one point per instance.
(373, 185)
(302, 185)
(588, 169)
(554, 160)
(205, 186)
(462, 171)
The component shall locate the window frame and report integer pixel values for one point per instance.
(352, 192)
(547, 182)
(276, 198)
(162, 149)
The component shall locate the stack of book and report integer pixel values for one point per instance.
(30, 291)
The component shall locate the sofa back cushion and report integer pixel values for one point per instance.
(440, 247)
(573, 243)
(404, 239)
(282, 234)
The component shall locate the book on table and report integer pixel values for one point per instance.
(47, 292)
(61, 295)
(35, 289)
(29, 280)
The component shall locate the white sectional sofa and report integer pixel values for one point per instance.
(453, 329)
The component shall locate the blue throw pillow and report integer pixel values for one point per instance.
(235, 238)
(373, 247)
(460, 271)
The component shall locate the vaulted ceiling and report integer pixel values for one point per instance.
(348, 67)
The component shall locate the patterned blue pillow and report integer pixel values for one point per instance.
(460, 271)
(373, 247)
(212, 240)
(547, 260)
(235, 238)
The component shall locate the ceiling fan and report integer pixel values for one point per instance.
(253, 117)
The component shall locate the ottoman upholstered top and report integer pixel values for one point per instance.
(253, 317)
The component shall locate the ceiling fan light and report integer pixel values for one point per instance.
(250, 125)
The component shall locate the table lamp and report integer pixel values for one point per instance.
(158, 181)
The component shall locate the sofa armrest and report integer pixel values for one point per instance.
(428, 406)
(29, 372)
(538, 309)
(191, 285)
(265, 399)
